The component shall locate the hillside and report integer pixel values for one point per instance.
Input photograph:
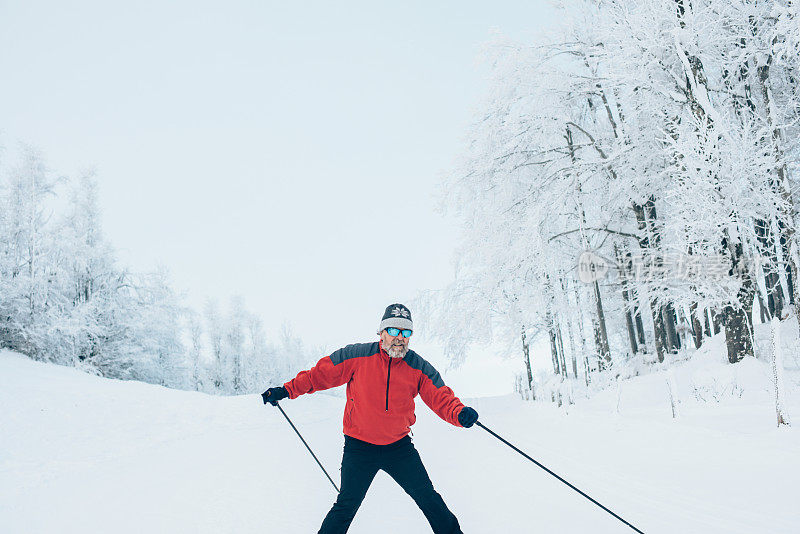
(79, 453)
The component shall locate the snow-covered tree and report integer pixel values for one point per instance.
(652, 142)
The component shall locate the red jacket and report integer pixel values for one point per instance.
(380, 390)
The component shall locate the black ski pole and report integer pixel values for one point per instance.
(307, 447)
(558, 477)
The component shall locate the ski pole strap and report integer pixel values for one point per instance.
(307, 447)
(558, 477)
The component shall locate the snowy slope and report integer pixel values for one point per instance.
(80, 453)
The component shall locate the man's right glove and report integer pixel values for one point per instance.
(273, 395)
(467, 417)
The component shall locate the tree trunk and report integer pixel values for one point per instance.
(627, 308)
(737, 334)
(631, 331)
(574, 355)
(636, 311)
(640, 330)
(795, 266)
(586, 369)
(738, 330)
(581, 332)
(602, 333)
(649, 242)
(716, 321)
(767, 250)
(659, 333)
(697, 328)
(572, 349)
(527, 356)
(789, 265)
(553, 349)
(560, 342)
(670, 330)
(777, 374)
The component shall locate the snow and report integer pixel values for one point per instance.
(80, 453)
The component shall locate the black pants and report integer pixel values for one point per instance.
(361, 462)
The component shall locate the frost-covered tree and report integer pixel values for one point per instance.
(27, 247)
(214, 333)
(64, 299)
(194, 329)
(234, 344)
(662, 138)
(256, 355)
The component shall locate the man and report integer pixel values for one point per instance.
(382, 380)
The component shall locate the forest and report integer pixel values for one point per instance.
(628, 187)
(65, 299)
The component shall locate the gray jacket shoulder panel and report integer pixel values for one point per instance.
(415, 361)
(356, 350)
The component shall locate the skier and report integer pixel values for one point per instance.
(382, 380)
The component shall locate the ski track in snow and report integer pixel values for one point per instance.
(83, 454)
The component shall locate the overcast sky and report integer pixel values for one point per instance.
(288, 152)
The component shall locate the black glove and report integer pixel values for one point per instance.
(273, 395)
(467, 417)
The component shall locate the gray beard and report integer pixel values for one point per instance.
(394, 352)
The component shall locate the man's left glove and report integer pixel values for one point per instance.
(467, 417)
(273, 395)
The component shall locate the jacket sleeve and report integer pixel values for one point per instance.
(324, 375)
(439, 397)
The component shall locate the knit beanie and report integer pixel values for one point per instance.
(398, 316)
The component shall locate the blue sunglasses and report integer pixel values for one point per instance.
(396, 331)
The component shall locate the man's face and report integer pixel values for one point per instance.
(395, 346)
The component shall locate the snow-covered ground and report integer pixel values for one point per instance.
(83, 454)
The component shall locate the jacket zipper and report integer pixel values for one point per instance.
(388, 374)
